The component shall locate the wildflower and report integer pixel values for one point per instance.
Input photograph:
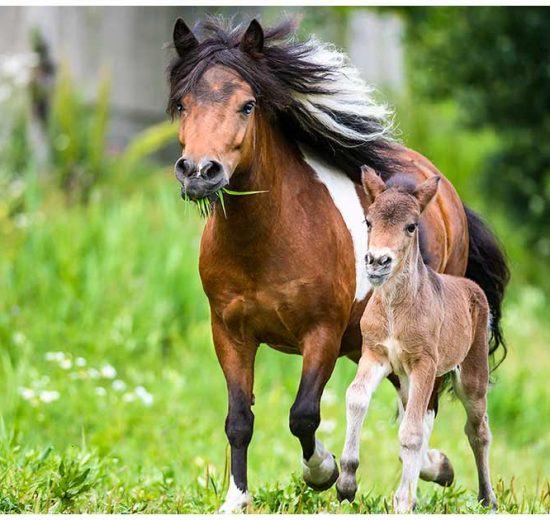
(66, 364)
(47, 396)
(26, 393)
(80, 362)
(93, 373)
(119, 385)
(19, 339)
(128, 397)
(108, 371)
(144, 395)
(55, 356)
(101, 391)
(327, 426)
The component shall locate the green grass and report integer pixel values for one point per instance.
(114, 286)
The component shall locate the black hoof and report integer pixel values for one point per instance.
(345, 495)
(329, 483)
(446, 475)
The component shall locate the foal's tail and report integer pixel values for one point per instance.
(487, 267)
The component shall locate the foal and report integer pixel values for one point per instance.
(417, 325)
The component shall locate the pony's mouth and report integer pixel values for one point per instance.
(377, 279)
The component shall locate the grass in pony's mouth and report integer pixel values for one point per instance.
(206, 204)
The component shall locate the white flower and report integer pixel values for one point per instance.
(26, 393)
(66, 364)
(108, 371)
(329, 397)
(327, 426)
(93, 373)
(19, 339)
(128, 397)
(100, 391)
(55, 356)
(144, 395)
(47, 396)
(119, 385)
(80, 362)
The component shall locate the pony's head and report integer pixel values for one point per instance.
(222, 86)
(393, 220)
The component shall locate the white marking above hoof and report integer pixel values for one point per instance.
(236, 501)
(320, 467)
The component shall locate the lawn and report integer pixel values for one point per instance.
(111, 398)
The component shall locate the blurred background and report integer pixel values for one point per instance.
(111, 398)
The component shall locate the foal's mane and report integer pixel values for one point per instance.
(310, 89)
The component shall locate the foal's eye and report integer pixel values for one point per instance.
(179, 107)
(247, 108)
(411, 228)
(368, 223)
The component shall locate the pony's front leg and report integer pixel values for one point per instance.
(236, 357)
(412, 436)
(320, 351)
(371, 371)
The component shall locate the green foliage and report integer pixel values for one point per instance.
(492, 61)
(77, 137)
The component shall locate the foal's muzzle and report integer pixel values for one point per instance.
(199, 180)
(378, 268)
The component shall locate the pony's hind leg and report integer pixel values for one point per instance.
(319, 352)
(471, 384)
(370, 373)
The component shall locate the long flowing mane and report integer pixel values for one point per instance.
(310, 89)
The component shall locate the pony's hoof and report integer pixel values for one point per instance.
(323, 486)
(446, 474)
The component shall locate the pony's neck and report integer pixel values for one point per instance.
(256, 216)
(403, 287)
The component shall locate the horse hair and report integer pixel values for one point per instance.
(310, 89)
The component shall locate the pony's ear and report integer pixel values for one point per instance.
(253, 39)
(184, 39)
(372, 183)
(426, 191)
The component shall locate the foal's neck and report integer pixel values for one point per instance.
(404, 286)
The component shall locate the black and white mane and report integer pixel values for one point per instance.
(310, 89)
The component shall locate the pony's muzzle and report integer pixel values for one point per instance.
(378, 268)
(199, 180)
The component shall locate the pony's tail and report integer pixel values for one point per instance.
(487, 267)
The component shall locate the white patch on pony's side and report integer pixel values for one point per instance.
(342, 192)
(235, 500)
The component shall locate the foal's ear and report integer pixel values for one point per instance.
(372, 183)
(426, 191)
(253, 39)
(184, 39)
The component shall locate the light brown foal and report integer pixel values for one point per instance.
(418, 325)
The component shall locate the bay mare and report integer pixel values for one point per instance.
(260, 111)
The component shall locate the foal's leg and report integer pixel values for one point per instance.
(412, 433)
(471, 386)
(237, 361)
(371, 371)
(320, 351)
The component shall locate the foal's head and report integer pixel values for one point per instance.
(392, 220)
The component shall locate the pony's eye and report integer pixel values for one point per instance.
(179, 107)
(411, 228)
(368, 223)
(247, 108)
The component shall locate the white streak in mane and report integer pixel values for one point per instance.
(342, 190)
(348, 94)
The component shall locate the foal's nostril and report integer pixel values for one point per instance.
(210, 169)
(369, 258)
(384, 260)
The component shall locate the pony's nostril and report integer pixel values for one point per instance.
(183, 168)
(369, 258)
(211, 169)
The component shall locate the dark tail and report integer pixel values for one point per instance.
(487, 267)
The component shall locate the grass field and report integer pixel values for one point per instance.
(112, 400)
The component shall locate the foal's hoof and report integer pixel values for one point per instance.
(348, 495)
(446, 474)
(323, 486)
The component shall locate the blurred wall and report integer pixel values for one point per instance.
(128, 43)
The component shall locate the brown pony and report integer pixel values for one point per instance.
(418, 325)
(259, 111)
